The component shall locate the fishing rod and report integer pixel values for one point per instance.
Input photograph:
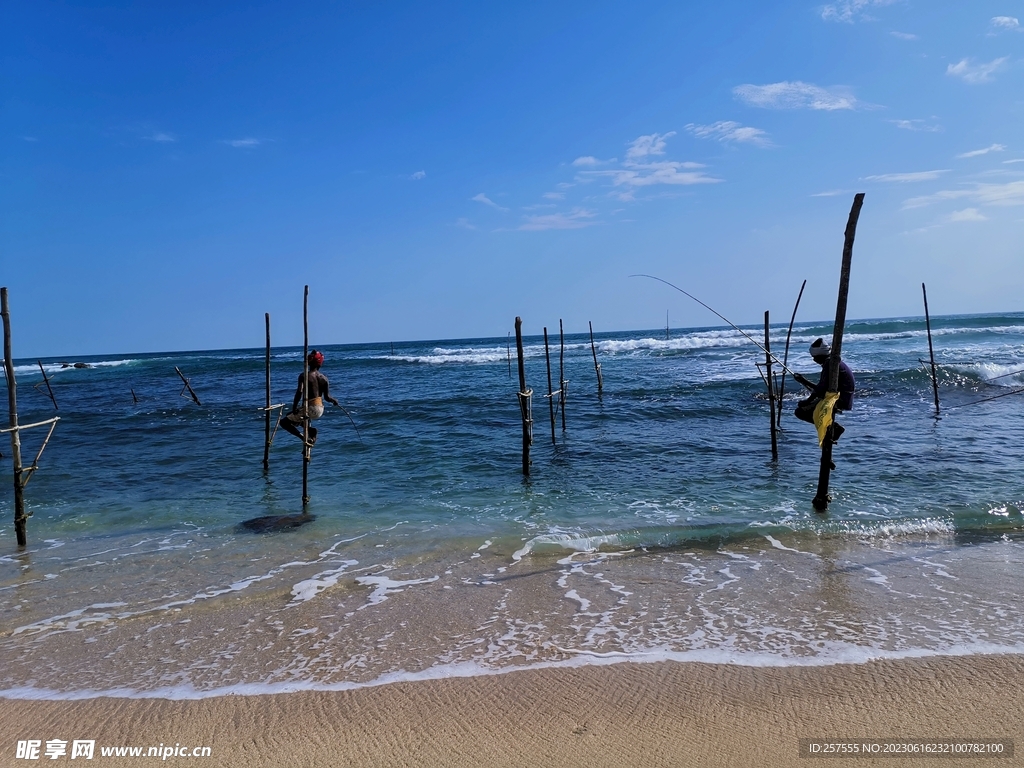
(985, 400)
(353, 422)
(749, 338)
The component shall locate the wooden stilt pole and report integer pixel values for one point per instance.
(12, 406)
(266, 430)
(931, 350)
(597, 365)
(509, 355)
(46, 381)
(188, 386)
(771, 387)
(821, 497)
(551, 400)
(785, 357)
(561, 371)
(525, 404)
(305, 398)
(135, 398)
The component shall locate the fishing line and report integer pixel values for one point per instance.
(749, 338)
(985, 400)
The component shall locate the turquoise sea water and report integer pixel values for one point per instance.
(655, 526)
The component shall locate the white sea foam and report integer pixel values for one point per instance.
(829, 654)
(383, 586)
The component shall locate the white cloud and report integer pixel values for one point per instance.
(903, 35)
(1010, 193)
(577, 218)
(967, 214)
(830, 193)
(727, 130)
(1018, 160)
(243, 143)
(985, 151)
(644, 146)
(795, 95)
(588, 160)
(482, 198)
(907, 177)
(916, 125)
(418, 175)
(973, 73)
(850, 10)
(1001, 23)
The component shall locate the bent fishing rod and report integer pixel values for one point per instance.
(749, 338)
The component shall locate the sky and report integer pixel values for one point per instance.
(171, 171)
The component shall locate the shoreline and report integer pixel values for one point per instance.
(655, 713)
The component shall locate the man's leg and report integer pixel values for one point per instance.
(290, 426)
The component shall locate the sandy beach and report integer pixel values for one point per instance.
(623, 714)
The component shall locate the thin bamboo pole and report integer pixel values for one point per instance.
(187, 386)
(12, 408)
(525, 407)
(266, 426)
(597, 365)
(46, 381)
(785, 357)
(931, 350)
(771, 388)
(821, 497)
(551, 399)
(305, 398)
(561, 371)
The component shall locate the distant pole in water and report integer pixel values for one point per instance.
(931, 350)
(821, 497)
(392, 349)
(135, 399)
(266, 429)
(561, 371)
(525, 403)
(597, 365)
(12, 409)
(305, 397)
(551, 399)
(46, 381)
(667, 335)
(510, 355)
(785, 357)
(188, 386)
(771, 388)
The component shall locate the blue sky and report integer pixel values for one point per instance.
(171, 171)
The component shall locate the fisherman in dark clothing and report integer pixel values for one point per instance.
(316, 393)
(820, 352)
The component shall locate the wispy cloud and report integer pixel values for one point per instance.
(418, 175)
(1004, 24)
(903, 35)
(729, 131)
(482, 198)
(1017, 160)
(463, 223)
(903, 178)
(830, 193)
(1010, 193)
(916, 125)
(973, 73)
(554, 195)
(577, 218)
(967, 214)
(586, 161)
(243, 143)
(162, 137)
(795, 95)
(849, 11)
(985, 151)
(645, 146)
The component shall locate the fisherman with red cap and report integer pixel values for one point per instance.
(317, 391)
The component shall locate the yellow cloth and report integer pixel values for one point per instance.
(823, 415)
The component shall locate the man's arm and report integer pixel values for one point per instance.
(803, 380)
(298, 395)
(325, 390)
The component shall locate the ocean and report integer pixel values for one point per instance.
(655, 526)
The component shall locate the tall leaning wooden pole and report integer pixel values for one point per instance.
(821, 497)
(771, 388)
(524, 400)
(305, 398)
(12, 405)
(266, 434)
(931, 349)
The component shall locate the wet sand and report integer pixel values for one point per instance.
(626, 714)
